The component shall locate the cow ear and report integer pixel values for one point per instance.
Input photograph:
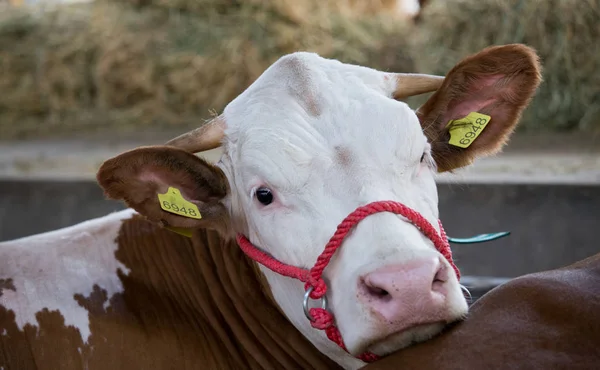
(491, 89)
(168, 186)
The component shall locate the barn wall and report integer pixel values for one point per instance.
(551, 225)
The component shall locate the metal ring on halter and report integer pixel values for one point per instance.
(305, 303)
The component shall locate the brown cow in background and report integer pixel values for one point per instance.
(548, 320)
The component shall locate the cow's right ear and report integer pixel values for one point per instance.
(168, 186)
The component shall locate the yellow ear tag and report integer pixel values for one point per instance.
(173, 202)
(180, 231)
(464, 131)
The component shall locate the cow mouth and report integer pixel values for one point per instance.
(407, 337)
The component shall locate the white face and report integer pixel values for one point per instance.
(310, 141)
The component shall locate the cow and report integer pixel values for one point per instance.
(545, 320)
(313, 242)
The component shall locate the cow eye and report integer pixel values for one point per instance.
(422, 157)
(264, 196)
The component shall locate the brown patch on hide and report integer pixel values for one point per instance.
(7, 284)
(51, 345)
(187, 304)
(211, 294)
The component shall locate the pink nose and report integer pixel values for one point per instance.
(407, 294)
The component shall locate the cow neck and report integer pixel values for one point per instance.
(253, 315)
(216, 284)
(321, 318)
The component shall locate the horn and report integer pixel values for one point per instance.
(205, 137)
(409, 84)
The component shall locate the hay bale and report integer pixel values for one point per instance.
(44, 68)
(106, 65)
(566, 34)
(292, 8)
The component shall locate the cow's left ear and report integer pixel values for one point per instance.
(479, 104)
(168, 186)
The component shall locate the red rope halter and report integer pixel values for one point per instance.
(314, 283)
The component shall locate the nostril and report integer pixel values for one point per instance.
(374, 291)
(377, 291)
(440, 275)
(440, 278)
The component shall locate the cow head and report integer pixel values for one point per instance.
(306, 144)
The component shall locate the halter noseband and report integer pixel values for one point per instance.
(315, 287)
